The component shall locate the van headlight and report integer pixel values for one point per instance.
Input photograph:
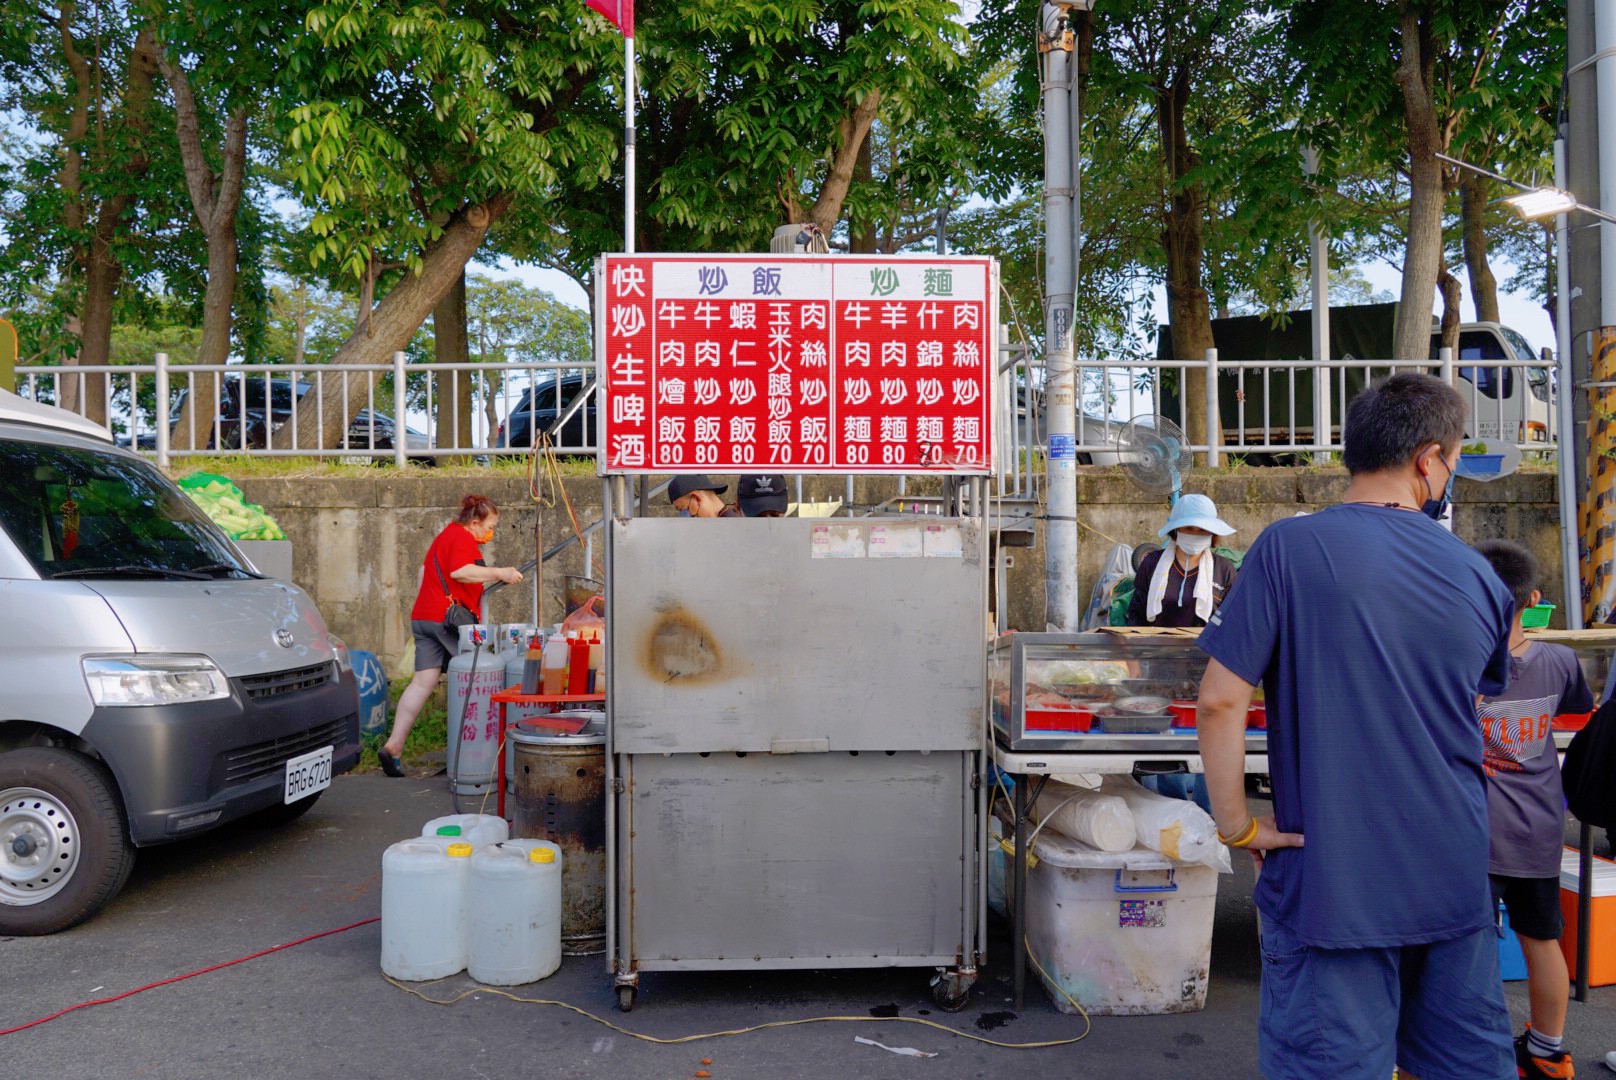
(344, 659)
(118, 681)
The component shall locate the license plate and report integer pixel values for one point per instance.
(308, 773)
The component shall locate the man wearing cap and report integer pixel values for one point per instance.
(698, 496)
(762, 496)
(1184, 582)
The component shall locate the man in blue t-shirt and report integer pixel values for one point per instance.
(1373, 630)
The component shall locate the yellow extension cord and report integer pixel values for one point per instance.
(1088, 1025)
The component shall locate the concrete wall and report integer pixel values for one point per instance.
(358, 542)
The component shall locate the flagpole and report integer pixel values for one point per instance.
(628, 144)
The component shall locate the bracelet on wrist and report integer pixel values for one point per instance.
(1244, 836)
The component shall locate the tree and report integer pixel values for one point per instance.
(509, 321)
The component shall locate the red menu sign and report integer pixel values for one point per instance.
(796, 363)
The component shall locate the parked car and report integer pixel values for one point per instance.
(538, 409)
(153, 686)
(262, 421)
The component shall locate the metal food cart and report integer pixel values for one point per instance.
(796, 730)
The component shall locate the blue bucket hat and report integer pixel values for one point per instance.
(1196, 511)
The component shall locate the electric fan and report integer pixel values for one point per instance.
(1155, 455)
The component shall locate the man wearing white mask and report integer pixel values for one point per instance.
(1182, 584)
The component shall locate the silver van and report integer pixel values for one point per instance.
(153, 686)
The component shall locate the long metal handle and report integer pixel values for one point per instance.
(1171, 886)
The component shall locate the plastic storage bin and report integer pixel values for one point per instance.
(1124, 933)
(1537, 617)
(1601, 919)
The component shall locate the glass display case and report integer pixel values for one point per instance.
(1101, 692)
(1109, 693)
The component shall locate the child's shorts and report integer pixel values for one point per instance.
(1533, 905)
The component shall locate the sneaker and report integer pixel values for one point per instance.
(1527, 1065)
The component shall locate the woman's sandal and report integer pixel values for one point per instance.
(390, 764)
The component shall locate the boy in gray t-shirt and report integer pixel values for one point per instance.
(1526, 807)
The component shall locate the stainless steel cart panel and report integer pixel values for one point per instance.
(800, 861)
(742, 635)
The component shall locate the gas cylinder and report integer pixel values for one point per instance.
(474, 677)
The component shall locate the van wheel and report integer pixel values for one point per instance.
(64, 840)
(284, 814)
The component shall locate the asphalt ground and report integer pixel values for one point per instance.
(322, 1009)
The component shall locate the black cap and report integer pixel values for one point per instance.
(684, 485)
(760, 494)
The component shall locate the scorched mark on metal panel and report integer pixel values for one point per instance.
(680, 647)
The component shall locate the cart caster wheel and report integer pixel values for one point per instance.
(625, 998)
(951, 990)
(950, 1002)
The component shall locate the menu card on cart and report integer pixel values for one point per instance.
(796, 363)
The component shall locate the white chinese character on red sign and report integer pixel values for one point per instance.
(670, 429)
(627, 280)
(815, 429)
(671, 352)
(742, 391)
(707, 313)
(893, 316)
(630, 449)
(856, 391)
(858, 352)
(671, 312)
(707, 428)
(967, 429)
(671, 392)
(965, 316)
(858, 314)
(779, 337)
(894, 352)
(742, 429)
(743, 316)
(706, 391)
(779, 384)
(966, 391)
(627, 320)
(967, 354)
(893, 391)
(779, 431)
(779, 314)
(813, 354)
(929, 391)
(813, 316)
(894, 429)
(929, 313)
(856, 428)
(929, 429)
(735, 360)
(626, 371)
(779, 408)
(628, 409)
(814, 391)
(707, 353)
(929, 354)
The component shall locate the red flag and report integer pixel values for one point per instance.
(619, 12)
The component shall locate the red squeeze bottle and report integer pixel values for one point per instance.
(577, 666)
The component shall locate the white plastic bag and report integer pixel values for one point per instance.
(1098, 820)
(1175, 827)
(1118, 564)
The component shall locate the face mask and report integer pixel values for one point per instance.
(1193, 545)
(684, 513)
(1435, 508)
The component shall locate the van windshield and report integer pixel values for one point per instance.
(92, 514)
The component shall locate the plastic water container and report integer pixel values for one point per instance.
(1124, 933)
(475, 829)
(515, 906)
(424, 891)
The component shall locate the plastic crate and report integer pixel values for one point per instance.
(1537, 617)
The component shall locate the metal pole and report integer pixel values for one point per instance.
(1319, 247)
(628, 144)
(161, 406)
(400, 396)
(1445, 361)
(1213, 428)
(1585, 902)
(1018, 902)
(1060, 548)
(1605, 80)
(1565, 421)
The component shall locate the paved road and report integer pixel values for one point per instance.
(322, 1009)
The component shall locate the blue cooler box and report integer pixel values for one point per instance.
(1511, 961)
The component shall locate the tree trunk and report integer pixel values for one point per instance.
(1189, 313)
(1452, 298)
(390, 326)
(1472, 210)
(1422, 259)
(216, 201)
(851, 132)
(101, 278)
(861, 238)
(451, 391)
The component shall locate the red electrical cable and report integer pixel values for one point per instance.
(189, 975)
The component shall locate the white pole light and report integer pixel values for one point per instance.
(1542, 203)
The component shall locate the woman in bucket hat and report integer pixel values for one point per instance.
(1182, 584)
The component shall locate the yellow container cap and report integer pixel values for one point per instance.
(459, 851)
(541, 855)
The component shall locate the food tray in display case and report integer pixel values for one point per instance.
(1100, 692)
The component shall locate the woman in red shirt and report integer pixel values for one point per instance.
(453, 569)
